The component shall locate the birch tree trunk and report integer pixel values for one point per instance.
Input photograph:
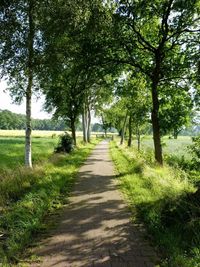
(28, 154)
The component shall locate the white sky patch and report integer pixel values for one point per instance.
(37, 104)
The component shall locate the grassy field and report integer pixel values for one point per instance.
(177, 147)
(166, 201)
(12, 146)
(35, 133)
(12, 150)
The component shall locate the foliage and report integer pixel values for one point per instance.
(175, 110)
(166, 201)
(11, 121)
(114, 115)
(149, 38)
(195, 149)
(14, 45)
(46, 189)
(19, 48)
(97, 127)
(65, 144)
(69, 78)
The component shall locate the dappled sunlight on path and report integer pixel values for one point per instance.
(95, 228)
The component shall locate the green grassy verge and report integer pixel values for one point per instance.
(166, 201)
(39, 192)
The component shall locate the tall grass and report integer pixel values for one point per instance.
(166, 201)
(27, 196)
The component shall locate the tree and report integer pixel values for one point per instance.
(68, 60)
(19, 46)
(97, 127)
(150, 37)
(134, 94)
(64, 96)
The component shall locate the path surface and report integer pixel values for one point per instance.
(95, 228)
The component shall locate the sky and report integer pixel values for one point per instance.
(37, 104)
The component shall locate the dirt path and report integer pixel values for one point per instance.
(95, 229)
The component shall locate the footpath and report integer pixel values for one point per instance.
(95, 228)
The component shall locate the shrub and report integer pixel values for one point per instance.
(65, 144)
(195, 149)
(178, 161)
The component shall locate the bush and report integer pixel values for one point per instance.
(178, 162)
(195, 149)
(65, 144)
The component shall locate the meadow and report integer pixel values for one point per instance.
(177, 147)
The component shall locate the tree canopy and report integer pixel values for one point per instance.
(82, 53)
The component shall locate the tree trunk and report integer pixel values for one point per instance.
(175, 134)
(73, 129)
(155, 122)
(123, 129)
(105, 132)
(88, 125)
(130, 131)
(84, 127)
(138, 137)
(28, 156)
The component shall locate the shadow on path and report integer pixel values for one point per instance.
(95, 228)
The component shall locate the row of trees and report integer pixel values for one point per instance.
(139, 55)
(13, 121)
(132, 108)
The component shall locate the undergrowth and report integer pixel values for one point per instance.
(166, 201)
(27, 196)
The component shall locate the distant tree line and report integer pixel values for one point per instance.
(14, 121)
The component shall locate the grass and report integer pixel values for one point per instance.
(166, 201)
(28, 196)
(12, 150)
(35, 133)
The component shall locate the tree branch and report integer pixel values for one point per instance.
(141, 38)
